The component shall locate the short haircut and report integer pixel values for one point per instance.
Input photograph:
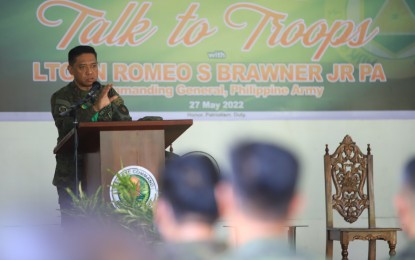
(264, 177)
(409, 175)
(188, 184)
(78, 50)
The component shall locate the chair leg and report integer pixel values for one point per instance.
(392, 247)
(329, 249)
(372, 249)
(345, 253)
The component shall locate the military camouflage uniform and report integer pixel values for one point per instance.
(61, 101)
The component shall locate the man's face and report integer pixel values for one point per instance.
(84, 70)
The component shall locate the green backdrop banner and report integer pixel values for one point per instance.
(220, 58)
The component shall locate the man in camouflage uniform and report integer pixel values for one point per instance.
(107, 106)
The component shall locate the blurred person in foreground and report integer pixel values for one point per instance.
(405, 206)
(186, 210)
(258, 198)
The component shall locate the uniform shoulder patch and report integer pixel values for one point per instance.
(62, 109)
(123, 109)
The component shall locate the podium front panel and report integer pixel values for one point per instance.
(120, 149)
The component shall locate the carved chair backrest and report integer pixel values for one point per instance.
(350, 172)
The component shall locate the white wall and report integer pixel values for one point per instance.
(27, 165)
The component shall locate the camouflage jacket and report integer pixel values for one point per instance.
(61, 101)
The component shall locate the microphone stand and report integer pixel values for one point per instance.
(73, 111)
(76, 142)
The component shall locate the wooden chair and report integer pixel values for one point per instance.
(350, 171)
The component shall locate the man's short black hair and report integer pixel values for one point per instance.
(78, 50)
(409, 175)
(264, 177)
(188, 184)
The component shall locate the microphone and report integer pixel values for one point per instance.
(92, 94)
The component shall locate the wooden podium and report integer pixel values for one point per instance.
(108, 146)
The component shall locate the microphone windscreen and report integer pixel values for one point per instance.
(95, 86)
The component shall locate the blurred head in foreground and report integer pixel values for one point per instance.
(405, 200)
(260, 193)
(186, 209)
